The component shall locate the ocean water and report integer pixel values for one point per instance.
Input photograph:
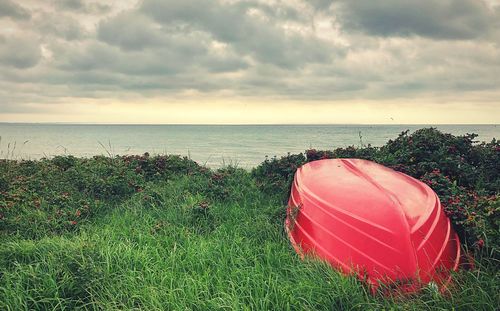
(212, 145)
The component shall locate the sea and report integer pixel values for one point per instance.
(212, 145)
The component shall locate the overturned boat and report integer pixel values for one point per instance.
(364, 218)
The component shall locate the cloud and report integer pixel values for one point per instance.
(321, 4)
(19, 51)
(58, 25)
(313, 51)
(70, 4)
(13, 10)
(244, 26)
(83, 6)
(131, 32)
(450, 19)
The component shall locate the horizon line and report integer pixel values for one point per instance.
(239, 124)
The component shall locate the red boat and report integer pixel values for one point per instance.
(365, 218)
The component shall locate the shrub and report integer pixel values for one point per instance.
(161, 167)
(475, 218)
(276, 175)
(52, 196)
(464, 174)
(426, 150)
(488, 155)
(64, 162)
(367, 153)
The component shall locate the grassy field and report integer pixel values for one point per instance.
(187, 238)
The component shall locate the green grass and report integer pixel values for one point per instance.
(174, 246)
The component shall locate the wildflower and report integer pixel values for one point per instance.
(72, 222)
(480, 243)
(203, 205)
(311, 153)
(217, 176)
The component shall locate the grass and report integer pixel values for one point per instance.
(170, 253)
(186, 239)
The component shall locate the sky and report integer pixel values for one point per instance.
(250, 61)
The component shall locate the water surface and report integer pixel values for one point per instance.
(213, 145)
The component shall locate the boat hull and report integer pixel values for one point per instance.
(364, 218)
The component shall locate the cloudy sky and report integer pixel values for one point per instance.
(250, 61)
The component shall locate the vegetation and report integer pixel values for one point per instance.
(464, 174)
(161, 232)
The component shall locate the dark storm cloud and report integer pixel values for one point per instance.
(451, 19)
(11, 9)
(303, 50)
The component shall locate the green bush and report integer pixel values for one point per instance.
(57, 195)
(276, 175)
(457, 157)
(475, 218)
(464, 174)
